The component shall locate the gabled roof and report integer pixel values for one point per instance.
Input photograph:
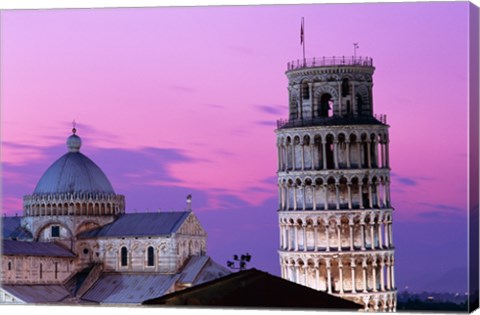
(129, 288)
(254, 288)
(12, 229)
(141, 224)
(34, 249)
(200, 268)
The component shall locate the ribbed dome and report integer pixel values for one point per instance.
(73, 172)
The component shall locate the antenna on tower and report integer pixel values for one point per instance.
(355, 47)
(74, 126)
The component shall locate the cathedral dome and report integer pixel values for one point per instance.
(73, 173)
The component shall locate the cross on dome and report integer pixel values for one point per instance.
(74, 142)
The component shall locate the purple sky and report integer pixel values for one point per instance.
(178, 101)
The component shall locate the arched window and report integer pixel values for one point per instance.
(124, 256)
(9, 265)
(360, 104)
(345, 87)
(41, 271)
(305, 91)
(150, 256)
(325, 108)
(55, 231)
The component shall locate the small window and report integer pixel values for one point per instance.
(124, 256)
(9, 265)
(345, 87)
(305, 91)
(55, 231)
(41, 271)
(150, 256)
(85, 251)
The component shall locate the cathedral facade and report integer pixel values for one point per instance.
(76, 244)
(335, 212)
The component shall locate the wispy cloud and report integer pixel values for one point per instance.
(268, 123)
(272, 109)
(181, 88)
(216, 106)
(432, 215)
(410, 180)
(443, 207)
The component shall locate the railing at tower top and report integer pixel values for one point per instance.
(375, 119)
(330, 61)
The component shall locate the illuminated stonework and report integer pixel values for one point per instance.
(335, 213)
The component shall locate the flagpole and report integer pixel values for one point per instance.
(303, 42)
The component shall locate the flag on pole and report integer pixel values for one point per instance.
(301, 33)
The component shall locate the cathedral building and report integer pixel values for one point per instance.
(76, 244)
(335, 212)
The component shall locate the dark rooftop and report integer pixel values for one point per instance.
(141, 224)
(34, 249)
(257, 289)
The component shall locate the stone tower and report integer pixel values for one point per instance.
(335, 213)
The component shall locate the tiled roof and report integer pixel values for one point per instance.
(12, 229)
(34, 249)
(200, 269)
(192, 268)
(141, 224)
(32, 293)
(129, 288)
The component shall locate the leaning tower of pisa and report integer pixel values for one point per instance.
(335, 212)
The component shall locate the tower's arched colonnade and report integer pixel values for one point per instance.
(334, 204)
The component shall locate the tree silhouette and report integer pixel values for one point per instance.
(239, 263)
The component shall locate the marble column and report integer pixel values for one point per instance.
(352, 265)
(347, 143)
(374, 276)
(370, 201)
(302, 155)
(340, 271)
(304, 197)
(339, 237)
(335, 154)
(327, 236)
(324, 153)
(294, 186)
(337, 196)
(304, 237)
(325, 202)
(382, 280)
(349, 190)
(296, 236)
(363, 235)
(329, 277)
(369, 155)
(351, 237)
(364, 266)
